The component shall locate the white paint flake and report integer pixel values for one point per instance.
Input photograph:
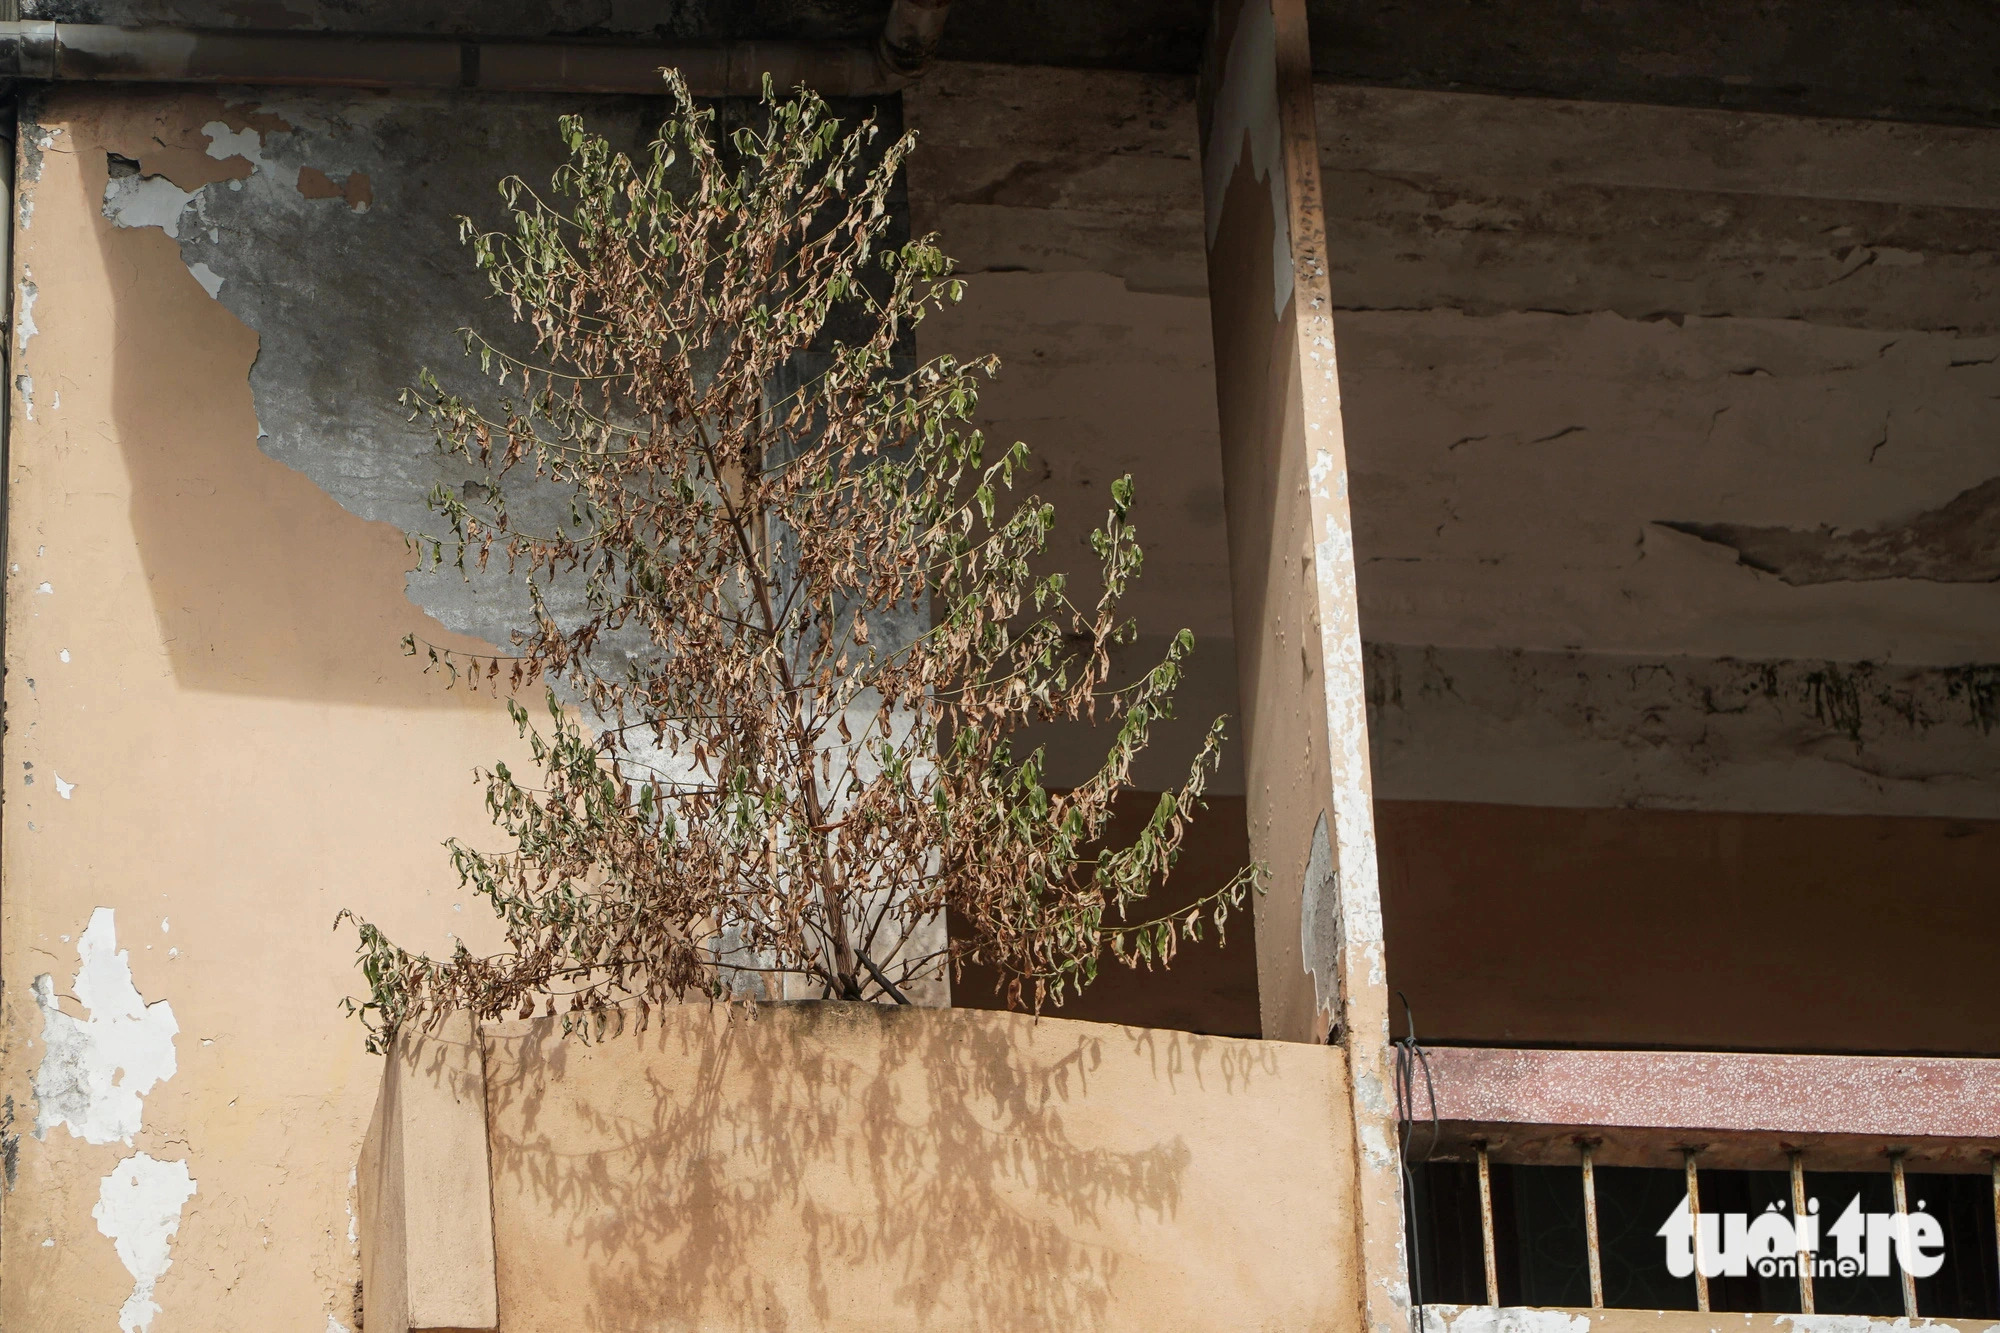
(63, 789)
(63, 656)
(335, 1326)
(26, 384)
(139, 1207)
(95, 1071)
(24, 310)
(45, 588)
(147, 201)
(210, 280)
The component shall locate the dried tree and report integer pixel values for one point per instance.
(796, 630)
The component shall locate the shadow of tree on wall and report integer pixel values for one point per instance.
(811, 1164)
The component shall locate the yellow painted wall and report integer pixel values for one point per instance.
(204, 648)
(844, 1166)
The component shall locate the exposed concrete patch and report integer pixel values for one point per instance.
(1958, 542)
(95, 1071)
(387, 287)
(139, 1207)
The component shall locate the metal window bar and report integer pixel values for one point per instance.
(1750, 1111)
(1486, 1221)
(1590, 1227)
(1805, 1259)
(1694, 1221)
(1903, 1213)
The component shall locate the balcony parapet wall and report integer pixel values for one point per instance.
(855, 1166)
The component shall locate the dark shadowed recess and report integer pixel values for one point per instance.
(1212, 986)
(1542, 1260)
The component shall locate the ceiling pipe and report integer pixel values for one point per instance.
(86, 52)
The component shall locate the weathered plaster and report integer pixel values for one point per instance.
(1510, 473)
(96, 1071)
(1050, 170)
(1490, 204)
(1590, 730)
(1645, 681)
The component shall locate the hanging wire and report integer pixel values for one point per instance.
(1410, 1059)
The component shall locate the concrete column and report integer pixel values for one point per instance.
(1303, 718)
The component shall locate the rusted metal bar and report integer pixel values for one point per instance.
(1486, 1221)
(1903, 1213)
(1805, 1255)
(1590, 1229)
(1694, 1229)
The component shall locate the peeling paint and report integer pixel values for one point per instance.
(147, 201)
(95, 1071)
(1611, 731)
(1510, 1319)
(1860, 1323)
(24, 310)
(139, 1208)
(1319, 921)
(1957, 542)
